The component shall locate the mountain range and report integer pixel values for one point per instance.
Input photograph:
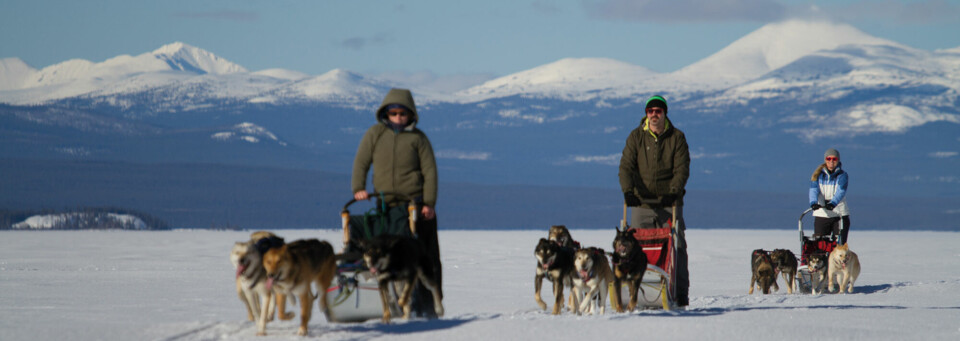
(758, 115)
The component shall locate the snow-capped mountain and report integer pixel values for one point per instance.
(168, 64)
(769, 48)
(246, 132)
(757, 115)
(871, 88)
(789, 82)
(568, 79)
(335, 86)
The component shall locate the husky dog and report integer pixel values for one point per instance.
(785, 262)
(251, 278)
(403, 259)
(561, 235)
(817, 264)
(555, 263)
(593, 274)
(290, 270)
(629, 265)
(762, 268)
(844, 265)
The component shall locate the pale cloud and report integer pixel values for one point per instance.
(462, 155)
(220, 15)
(610, 160)
(360, 43)
(700, 154)
(943, 155)
(686, 10)
(545, 7)
(914, 12)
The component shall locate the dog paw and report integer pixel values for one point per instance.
(543, 306)
(302, 331)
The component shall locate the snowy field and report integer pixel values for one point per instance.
(179, 285)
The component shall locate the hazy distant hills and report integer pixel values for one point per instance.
(758, 115)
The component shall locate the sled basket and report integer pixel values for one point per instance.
(812, 245)
(658, 287)
(354, 295)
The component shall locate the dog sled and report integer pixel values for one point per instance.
(813, 245)
(354, 295)
(658, 289)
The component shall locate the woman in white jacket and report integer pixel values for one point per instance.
(828, 190)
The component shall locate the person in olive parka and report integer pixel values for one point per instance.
(654, 169)
(403, 162)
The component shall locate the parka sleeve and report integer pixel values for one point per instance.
(841, 189)
(628, 164)
(428, 168)
(362, 162)
(681, 166)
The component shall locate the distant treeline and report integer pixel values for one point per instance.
(84, 218)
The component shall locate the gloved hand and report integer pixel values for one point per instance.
(815, 207)
(668, 199)
(829, 206)
(630, 199)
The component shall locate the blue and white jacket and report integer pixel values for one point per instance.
(829, 187)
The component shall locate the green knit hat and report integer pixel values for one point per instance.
(656, 101)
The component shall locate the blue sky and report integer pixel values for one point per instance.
(430, 39)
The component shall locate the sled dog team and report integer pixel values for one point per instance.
(269, 270)
(587, 271)
(841, 266)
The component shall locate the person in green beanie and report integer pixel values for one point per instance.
(654, 169)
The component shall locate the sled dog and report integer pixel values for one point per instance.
(629, 265)
(393, 258)
(762, 268)
(785, 262)
(561, 235)
(556, 264)
(290, 270)
(817, 264)
(251, 278)
(844, 265)
(592, 276)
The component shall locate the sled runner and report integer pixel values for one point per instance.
(354, 295)
(813, 246)
(658, 289)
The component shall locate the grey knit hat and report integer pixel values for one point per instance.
(831, 152)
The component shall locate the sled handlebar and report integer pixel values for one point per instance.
(376, 195)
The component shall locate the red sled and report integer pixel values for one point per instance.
(658, 290)
(813, 245)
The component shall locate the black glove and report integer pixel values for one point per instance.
(829, 207)
(815, 207)
(630, 199)
(668, 199)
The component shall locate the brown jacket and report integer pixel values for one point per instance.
(402, 160)
(654, 166)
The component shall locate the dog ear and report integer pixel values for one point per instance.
(265, 244)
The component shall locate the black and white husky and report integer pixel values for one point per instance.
(251, 277)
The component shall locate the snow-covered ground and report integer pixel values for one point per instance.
(125, 285)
